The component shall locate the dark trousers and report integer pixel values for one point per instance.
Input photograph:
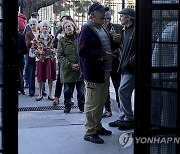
(68, 93)
(32, 69)
(58, 88)
(20, 80)
(116, 78)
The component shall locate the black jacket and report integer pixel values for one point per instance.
(128, 51)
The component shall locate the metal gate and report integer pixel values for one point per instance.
(157, 95)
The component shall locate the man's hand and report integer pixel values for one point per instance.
(108, 56)
(75, 67)
(117, 38)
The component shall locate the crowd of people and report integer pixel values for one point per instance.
(87, 58)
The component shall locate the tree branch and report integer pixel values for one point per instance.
(43, 3)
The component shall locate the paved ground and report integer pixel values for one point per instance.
(53, 132)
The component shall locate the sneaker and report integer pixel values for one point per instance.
(94, 138)
(126, 125)
(31, 95)
(56, 101)
(106, 114)
(72, 103)
(103, 131)
(26, 85)
(67, 110)
(116, 123)
(22, 92)
(44, 94)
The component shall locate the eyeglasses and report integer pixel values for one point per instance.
(122, 15)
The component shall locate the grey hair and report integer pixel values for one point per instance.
(33, 21)
(43, 23)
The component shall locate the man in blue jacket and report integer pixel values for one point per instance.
(127, 85)
(94, 49)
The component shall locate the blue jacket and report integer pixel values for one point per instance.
(91, 54)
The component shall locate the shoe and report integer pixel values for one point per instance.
(118, 104)
(72, 103)
(126, 125)
(31, 95)
(94, 138)
(81, 109)
(103, 131)
(44, 94)
(26, 85)
(39, 98)
(116, 123)
(106, 114)
(22, 92)
(50, 98)
(56, 101)
(67, 110)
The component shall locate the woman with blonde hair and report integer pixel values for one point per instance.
(69, 68)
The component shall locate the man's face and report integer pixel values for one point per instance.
(123, 19)
(98, 17)
(107, 21)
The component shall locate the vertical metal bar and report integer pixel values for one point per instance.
(178, 87)
(10, 96)
(142, 75)
(123, 4)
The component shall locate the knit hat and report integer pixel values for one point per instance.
(127, 11)
(108, 15)
(34, 14)
(22, 21)
(96, 7)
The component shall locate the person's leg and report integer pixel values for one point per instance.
(125, 93)
(21, 80)
(126, 88)
(80, 94)
(26, 71)
(96, 96)
(58, 89)
(32, 69)
(108, 102)
(116, 78)
(50, 84)
(68, 92)
(107, 112)
(126, 113)
(44, 89)
(40, 96)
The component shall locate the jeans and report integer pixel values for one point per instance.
(26, 69)
(127, 86)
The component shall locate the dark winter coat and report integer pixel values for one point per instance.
(91, 54)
